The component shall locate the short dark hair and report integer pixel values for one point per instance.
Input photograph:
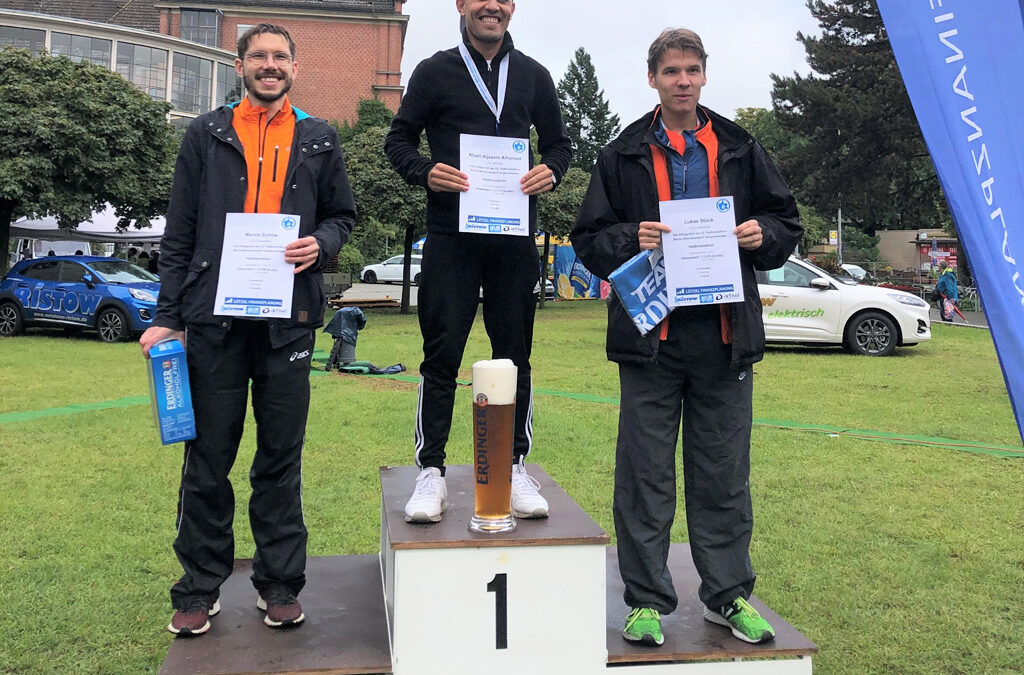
(682, 39)
(260, 29)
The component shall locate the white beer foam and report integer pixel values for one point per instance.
(497, 380)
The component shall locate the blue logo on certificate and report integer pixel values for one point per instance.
(723, 205)
(519, 146)
(288, 223)
(707, 297)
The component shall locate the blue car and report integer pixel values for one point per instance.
(109, 295)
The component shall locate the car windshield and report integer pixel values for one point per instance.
(842, 278)
(121, 272)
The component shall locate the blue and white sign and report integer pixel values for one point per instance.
(963, 64)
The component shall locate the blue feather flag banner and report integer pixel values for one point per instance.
(963, 64)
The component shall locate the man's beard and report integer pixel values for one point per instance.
(249, 79)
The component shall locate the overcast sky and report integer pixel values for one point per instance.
(746, 40)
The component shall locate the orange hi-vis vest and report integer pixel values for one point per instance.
(268, 147)
(706, 137)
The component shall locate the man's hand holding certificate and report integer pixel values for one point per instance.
(702, 260)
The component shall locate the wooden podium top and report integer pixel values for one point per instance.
(568, 524)
(688, 636)
(345, 631)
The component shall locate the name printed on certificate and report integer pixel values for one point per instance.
(254, 280)
(702, 258)
(494, 203)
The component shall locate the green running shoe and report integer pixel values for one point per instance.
(745, 622)
(643, 625)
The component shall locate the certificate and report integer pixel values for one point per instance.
(494, 203)
(702, 258)
(254, 280)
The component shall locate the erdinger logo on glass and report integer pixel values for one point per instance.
(519, 146)
(723, 205)
(481, 400)
(288, 223)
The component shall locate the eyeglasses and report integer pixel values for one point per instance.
(261, 57)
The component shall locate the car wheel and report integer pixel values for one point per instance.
(871, 334)
(416, 279)
(112, 325)
(10, 320)
(370, 277)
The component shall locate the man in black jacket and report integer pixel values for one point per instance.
(484, 87)
(221, 170)
(697, 364)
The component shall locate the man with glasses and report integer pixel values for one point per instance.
(484, 87)
(260, 155)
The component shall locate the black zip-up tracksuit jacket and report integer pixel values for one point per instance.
(210, 181)
(442, 99)
(623, 192)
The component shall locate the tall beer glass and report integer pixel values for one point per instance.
(494, 415)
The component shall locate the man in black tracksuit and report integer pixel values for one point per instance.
(699, 365)
(220, 170)
(443, 100)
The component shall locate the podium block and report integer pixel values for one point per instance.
(439, 599)
(532, 600)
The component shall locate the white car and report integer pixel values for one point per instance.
(391, 270)
(802, 303)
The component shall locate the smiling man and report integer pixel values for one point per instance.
(698, 364)
(261, 155)
(486, 87)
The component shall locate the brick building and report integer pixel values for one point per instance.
(347, 49)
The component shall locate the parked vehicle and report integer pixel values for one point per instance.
(391, 270)
(108, 295)
(804, 304)
(26, 249)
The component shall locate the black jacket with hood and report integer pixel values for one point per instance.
(623, 193)
(210, 182)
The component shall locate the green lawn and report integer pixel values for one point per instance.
(892, 557)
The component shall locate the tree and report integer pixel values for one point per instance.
(385, 203)
(370, 112)
(75, 136)
(859, 145)
(556, 213)
(764, 126)
(588, 120)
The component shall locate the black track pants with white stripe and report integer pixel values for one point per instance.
(219, 374)
(455, 267)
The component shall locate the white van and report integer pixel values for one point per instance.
(40, 248)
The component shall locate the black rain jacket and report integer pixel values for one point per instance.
(623, 192)
(210, 182)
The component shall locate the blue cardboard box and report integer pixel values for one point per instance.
(169, 392)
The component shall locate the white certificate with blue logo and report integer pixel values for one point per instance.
(495, 202)
(702, 257)
(254, 280)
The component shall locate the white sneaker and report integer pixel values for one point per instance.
(526, 499)
(429, 498)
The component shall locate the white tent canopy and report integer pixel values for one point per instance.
(102, 227)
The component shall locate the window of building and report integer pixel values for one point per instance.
(191, 79)
(81, 48)
(229, 85)
(23, 38)
(199, 26)
(242, 27)
(144, 66)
